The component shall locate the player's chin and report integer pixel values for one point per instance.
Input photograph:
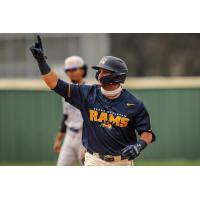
(74, 80)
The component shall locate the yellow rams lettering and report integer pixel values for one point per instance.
(103, 117)
(114, 120)
(108, 118)
(93, 115)
(124, 122)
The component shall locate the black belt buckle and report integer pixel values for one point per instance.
(107, 158)
(122, 158)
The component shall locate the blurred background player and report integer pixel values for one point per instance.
(68, 140)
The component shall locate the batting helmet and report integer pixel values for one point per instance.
(75, 62)
(117, 67)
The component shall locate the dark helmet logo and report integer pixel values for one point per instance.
(103, 60)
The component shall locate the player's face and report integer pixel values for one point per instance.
(75, 75)
(103, 72)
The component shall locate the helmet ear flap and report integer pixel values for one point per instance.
(119, 78)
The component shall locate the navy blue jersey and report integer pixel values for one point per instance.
(109, 125)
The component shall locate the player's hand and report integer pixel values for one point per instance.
(131, 152)
(37, 50)
(57, 146)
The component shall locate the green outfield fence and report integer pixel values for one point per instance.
(29, 120)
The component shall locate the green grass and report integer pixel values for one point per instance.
(137, 163)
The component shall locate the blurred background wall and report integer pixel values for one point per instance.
(158, 54)
(145, 54)
(16, 60)
(164, 72)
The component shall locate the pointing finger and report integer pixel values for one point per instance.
(39, 41)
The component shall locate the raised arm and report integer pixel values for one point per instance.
(48, 75)
(72, 93)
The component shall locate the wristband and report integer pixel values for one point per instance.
(44, 67)
(141, 144)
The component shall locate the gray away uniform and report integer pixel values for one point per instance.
(72, 149)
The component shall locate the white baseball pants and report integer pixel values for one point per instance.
(72, 149)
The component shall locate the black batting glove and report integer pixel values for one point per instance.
(38, 53)
(37, 50)
(132, 151)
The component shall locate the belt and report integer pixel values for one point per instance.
(74, 130)
(107, 158)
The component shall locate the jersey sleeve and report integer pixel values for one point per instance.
(142, 120)
(76, 95)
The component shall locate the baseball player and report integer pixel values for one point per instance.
(71, 150)
(111, 114)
